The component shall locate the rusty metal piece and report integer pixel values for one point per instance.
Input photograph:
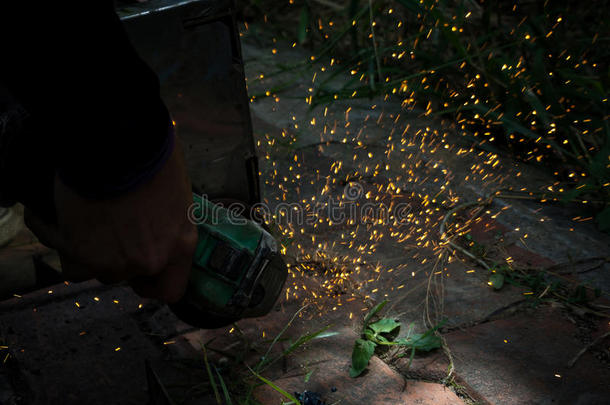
(194, 48)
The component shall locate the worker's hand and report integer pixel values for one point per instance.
(144, 236)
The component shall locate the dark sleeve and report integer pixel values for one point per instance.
(97, 105)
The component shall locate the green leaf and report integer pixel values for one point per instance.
(516, 127)
(424, 342)
(385, 325)
(374, 311)
(303, 24)
(496, 280)
(325, 334)
(603, 219)
(577, 192)
(372, 75)
(362, 353)
(412, 5)
(380, 340)
(352, 10)
(308, 376)
(537, 105)
(599, 164)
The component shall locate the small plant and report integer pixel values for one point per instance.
(496, 280)
(266, 360)
(476, 248)
(235, 392)
(243, 378)
(543, 285)
(384, 333)
(499, 275)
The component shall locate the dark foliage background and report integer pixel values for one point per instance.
(529, 78)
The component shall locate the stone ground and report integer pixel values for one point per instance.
(69, 342)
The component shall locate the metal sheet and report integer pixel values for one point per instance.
(194, 48)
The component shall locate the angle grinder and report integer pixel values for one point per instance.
(237, 270)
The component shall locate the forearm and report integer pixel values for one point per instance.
(98, 112)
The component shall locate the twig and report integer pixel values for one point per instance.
(546, 290)
(445, 238)
(584, 309)
(601, 260)
(587, 347)
(430, 296)
(451, 367)
(374, 41)
(567, 279)
(334, 142)
(488, 318)
(330, 4)
(543, 196)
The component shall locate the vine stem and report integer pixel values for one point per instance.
(454, 245)
(587, 347)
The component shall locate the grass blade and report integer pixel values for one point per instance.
(299, 342)
(303, 24)
(225, 391)
(275, 387)
(279, 335)
(211, 376)
(304, 339)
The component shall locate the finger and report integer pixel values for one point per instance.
(74, 271)
(46, 233)
(168, 286)
(144, 286)
(72, 268)
(110, 278)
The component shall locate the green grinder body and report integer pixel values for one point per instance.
(237, 269)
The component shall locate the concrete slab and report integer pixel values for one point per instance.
(524, 360)
(80, 343)
(380, 142)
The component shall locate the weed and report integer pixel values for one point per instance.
(543, 285)
(384, 332)
(244, 378)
